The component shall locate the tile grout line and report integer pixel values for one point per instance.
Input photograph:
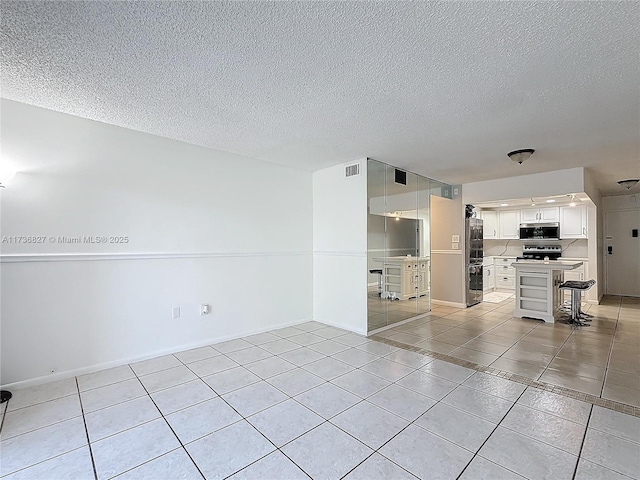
(613, 341)
(555, 356)
(564, 391)
(168, 424)
(86, 431)
(325, 420)
(242, 417)
(489, 436)
(584, 437)
(349, 347)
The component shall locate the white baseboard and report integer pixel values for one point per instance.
(448, 304)
(138, 358)
(402, 322)
(332, 324)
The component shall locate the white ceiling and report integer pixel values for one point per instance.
(444, 89)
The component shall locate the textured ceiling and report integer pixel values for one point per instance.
(444, 89)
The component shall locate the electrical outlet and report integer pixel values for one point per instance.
(205, 309)
(454, 246)
(175, 313)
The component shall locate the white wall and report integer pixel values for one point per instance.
(447, 266)
(203, 227)
(559, 182)
(621, 202)
(340, 247)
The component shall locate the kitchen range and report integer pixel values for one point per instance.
(540, 252)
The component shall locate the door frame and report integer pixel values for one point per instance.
(605, 255)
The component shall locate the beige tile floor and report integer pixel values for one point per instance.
(602, 359)
(311, 401)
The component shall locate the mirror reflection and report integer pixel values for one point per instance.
(398, 259)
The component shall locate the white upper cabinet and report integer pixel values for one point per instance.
(573, 222)
(489, 224)
(509, 223)
(549, 214)
(540, 215)
(530, 215)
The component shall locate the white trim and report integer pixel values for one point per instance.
(340, 253)
(447, 252)
(84, 257)
(341, 327)
(377, 250)
(125, 361)
(448, 304)
(401, 322)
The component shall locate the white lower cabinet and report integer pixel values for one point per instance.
(505, 283)
(488, 278)
(504, 273)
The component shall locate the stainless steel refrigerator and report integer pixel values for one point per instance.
(473, 260)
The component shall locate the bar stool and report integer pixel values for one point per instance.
(566, 306)
(379, 272)
(577, 287)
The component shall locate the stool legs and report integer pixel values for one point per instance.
(576, 300)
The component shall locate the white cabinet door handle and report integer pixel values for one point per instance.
(584, 230)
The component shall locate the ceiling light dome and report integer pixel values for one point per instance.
(520, 156)
(628, 183)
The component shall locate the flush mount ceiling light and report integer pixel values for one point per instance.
(520, 156)
(628, 183)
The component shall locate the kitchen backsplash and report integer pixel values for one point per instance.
(513, 248)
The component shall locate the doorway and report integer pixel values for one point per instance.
(622, 252)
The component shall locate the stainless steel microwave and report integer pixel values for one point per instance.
(540, 231)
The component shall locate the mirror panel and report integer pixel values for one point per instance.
(398, 257)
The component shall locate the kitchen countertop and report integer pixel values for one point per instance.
(550, 265)
(571, 259)
(399, 259)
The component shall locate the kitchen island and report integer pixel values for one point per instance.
(537, 288)
(404, 277)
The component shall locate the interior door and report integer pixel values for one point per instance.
(622, 253)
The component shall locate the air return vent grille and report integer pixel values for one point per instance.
(401, 177)
(352, 170)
